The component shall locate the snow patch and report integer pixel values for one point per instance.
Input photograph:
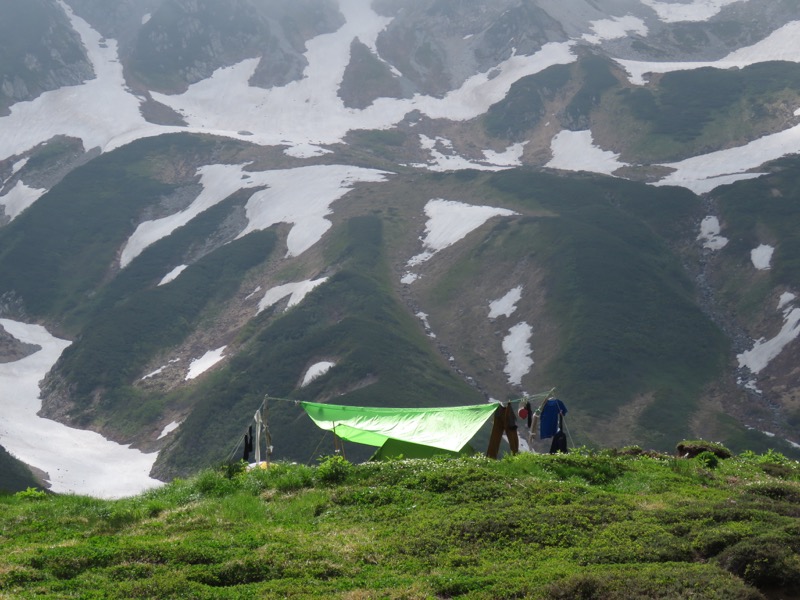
(173, 275)
(76, 461)
(300, 196)
(705, 172)
(297, 290)
(17, 166)
(218, 182)
(510, 157)
(785, 299)
(303, 197)
(169, 429)
(709, 234)
(316, 370)
(779, 45)
(576, 151)
(101, 112)
(424, 318)
(198, 366)
(749, 384)
(506, 305)
(253, 293)
(450, 221)
(445, 158)
(310, 111)
(158, 371)
(146, 18)
(19, 198)
(306, 151)
(763, 351)
(615, 28)
(695, 10)
(762, 257)
(518, 352)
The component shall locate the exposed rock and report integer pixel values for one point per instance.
(439, 44)
(12, 350)
(43, 52)
(367, 78)
(185, 41)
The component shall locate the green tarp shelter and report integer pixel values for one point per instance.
(407, 432)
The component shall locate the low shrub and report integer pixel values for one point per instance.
(279, 476)
(692, 448)
(31, 494)
(239, 572)
(651, 582)
(67, 562)
(214, 484)
(634, 542)
(763, 561)
(596, 470)
(708, 459)
(334, 469)
(709, 540)
(19, 576)
(777, 490)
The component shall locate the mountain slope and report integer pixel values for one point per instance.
(404, 204)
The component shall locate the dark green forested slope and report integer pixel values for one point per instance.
(614, 286)
(382, 358)
(57, 253)
(14, 476)
(674, 116)
(765, 210)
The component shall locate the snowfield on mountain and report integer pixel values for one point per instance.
(392, 203)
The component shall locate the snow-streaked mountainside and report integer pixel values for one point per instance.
(397, 203)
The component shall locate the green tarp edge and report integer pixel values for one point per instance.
(447, 428)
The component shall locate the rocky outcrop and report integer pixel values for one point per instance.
(12, 350)
(368, 78)
(40, 52)
(184, 41)
(438, 44)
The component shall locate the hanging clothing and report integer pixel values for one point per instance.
(560, 438)
(534, 420)
(548, 420)
(505, 421)
(248, 445)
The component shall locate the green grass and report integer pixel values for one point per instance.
(580, 525)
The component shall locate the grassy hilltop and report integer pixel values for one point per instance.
(608, 524)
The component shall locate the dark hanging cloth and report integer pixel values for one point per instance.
(248, 445)
(548, 421)
(559, 443)
(505, 421)
(530, 414)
